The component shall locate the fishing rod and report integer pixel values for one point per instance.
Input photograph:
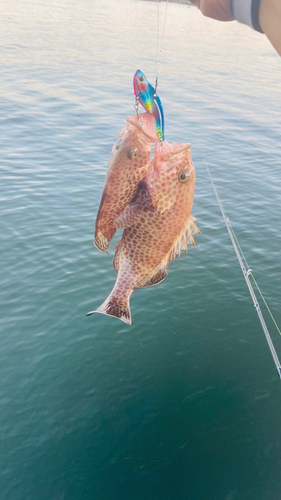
(246, 274)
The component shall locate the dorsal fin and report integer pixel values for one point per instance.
(182, 240)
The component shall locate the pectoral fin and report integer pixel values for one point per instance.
(128, 216)
(162, 200)
(138, 175)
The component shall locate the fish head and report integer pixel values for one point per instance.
(117, 146)
(144, 126)
(133, 145)
(171, 176)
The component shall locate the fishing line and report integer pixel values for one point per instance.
(246, 274)
(159, 52)
(258, 288)
(158, 39)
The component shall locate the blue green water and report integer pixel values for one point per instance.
(185, 404)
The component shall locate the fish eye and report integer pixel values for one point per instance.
(132, 153)
(141, 79)
(183, 178)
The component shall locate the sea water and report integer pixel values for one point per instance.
(185, 404)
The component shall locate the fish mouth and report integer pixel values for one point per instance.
(145, 122)
(164, 152)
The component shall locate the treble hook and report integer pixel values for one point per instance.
(137, 110)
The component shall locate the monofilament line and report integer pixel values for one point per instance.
(158, 38)
(159, 51)
(246, 276)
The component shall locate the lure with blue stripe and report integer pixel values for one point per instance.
(151, 102)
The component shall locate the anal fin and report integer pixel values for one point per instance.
(117, 256)
(159, 275)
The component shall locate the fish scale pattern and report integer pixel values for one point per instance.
(165, 225)
(128, 165)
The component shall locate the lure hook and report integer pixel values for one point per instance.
(137, 110)
(137, 106)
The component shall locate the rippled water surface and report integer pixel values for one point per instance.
(185, 404)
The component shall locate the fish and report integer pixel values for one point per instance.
(128, 165)
(165, 226)
(146, 95)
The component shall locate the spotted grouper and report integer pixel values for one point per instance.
(128, 165)
(165, 225)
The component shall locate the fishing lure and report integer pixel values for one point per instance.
(149, 99)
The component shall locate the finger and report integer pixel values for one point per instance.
(196, 2)
(220, 9)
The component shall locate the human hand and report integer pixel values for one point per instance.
(217, 9)
(269, 16)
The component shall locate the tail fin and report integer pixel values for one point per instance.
(116, 305)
